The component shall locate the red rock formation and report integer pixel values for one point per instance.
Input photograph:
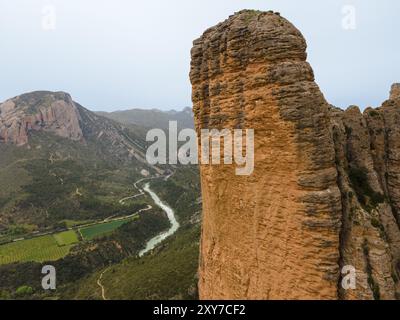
(55, 113)
(39, 111)
(325, 190)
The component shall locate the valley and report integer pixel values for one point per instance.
(57, 244)
(86, 204)
(173, 151)
(167, 272)
(152, 243)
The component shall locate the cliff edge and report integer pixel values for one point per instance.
(324, 192)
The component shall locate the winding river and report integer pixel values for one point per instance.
(152, 243)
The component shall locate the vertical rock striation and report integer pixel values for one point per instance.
(370, 233)
(325, 189)
(273, 234)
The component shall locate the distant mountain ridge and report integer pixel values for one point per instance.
(56, 113)
(152, 118)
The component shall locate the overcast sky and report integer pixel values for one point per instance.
(120, 54)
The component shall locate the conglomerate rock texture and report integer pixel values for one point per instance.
(325, 191)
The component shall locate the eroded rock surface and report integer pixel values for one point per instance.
(395, 91)
(39, 111)
(324, 193)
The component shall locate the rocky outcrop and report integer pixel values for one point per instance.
(39, 111)
(274, 234)
(395, 91)
(56, 114)
(370, 234)
(324, 193)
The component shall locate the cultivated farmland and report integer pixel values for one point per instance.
(101, 229)
(66, 238)
(40, 249)
(56, 246)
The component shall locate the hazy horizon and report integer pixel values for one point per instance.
(177, 109)
(114, 55)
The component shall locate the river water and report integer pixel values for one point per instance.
(152, 243)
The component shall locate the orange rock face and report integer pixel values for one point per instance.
(284, 231)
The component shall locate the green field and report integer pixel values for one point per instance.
(92, 232)
(53, 247)
(66, 238)
(39, 249)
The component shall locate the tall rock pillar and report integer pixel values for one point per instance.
(273, 234)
